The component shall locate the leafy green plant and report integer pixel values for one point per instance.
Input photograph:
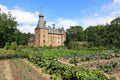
(13, 45)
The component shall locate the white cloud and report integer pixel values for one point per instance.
(4, 8)
(110, 11)
(95, 14)
(24, 17)
(95, 21)
(27, 28)
(115, 5)
(65, 23)
(116, 2)
(26, 20)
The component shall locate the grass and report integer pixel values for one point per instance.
(58, 52)
(66, 52)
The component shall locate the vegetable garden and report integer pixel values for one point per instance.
(50, 62)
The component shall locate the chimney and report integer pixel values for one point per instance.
(53, 26)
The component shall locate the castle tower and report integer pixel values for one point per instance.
(41, 32)
(48, 36)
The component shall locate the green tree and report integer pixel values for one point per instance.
(104, 35)
(74, 33)
(8, 26)
(9, 32)
(93, 35)
(24, 37)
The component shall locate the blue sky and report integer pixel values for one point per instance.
(64, 13)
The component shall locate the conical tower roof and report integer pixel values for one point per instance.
(41, 21)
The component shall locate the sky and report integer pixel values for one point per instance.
(63, 13)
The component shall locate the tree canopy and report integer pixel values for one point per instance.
(100, 35)
(74, 33)
(104, 35)
(9, 32)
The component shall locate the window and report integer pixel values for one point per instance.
(43, 36)
(44, 32)
(43, 41)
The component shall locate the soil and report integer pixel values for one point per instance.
(92, 64)
(9, 71)
(15, 72)
(5, 71)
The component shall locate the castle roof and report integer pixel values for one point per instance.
(51, 30)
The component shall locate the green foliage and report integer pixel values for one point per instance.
(112, 78)
(73, 34)
(9, 32)
(46, 58)
(7, 46)
(9, 54)
(23, 38)
(13, 46)
(99, 56)
(61, 71)
(96, 36)
(104, 35)
(107, 68)
(7, 28)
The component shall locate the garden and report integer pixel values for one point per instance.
(60, 63)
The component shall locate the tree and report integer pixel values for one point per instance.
(74, 33)
(24, 37)
(9, 32)
(104, 35)
(93, 35)
(8, 26)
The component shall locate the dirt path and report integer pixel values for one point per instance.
(9, 70)
(116, 73)
(5, 71)
(15, 72)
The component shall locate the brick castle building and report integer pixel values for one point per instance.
(48, 36)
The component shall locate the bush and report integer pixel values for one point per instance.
(7, 45)
(13, 46)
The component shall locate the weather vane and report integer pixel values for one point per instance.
(41, 8)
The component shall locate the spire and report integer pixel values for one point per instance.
(41, 22)
(41, 14)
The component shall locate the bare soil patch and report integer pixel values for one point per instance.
(15, 72)
(22, 69)
(5, 71)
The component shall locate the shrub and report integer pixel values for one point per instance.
(7, 45)
(13, 46)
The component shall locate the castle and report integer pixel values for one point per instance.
(48, 36)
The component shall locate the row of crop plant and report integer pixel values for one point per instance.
(60, 71)
(100, 56)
